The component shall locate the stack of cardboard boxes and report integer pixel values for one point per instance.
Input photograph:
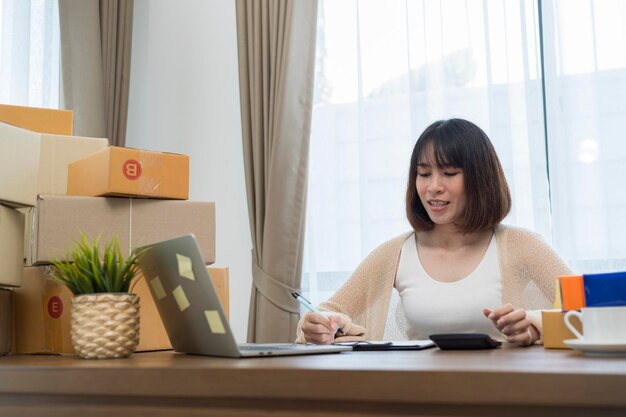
(53, 187)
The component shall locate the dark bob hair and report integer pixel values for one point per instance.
(461, 144)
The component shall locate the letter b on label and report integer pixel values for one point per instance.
(132, 169)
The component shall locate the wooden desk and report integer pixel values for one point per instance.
(510, 381)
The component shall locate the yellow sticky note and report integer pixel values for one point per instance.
(157, 287)
(215, 322)
(181, 298)
(185, 268)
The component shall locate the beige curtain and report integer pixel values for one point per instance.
(96, 38)
(276, 41)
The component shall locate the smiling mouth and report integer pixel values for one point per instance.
(438, 203)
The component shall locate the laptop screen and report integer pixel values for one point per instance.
(186, 299)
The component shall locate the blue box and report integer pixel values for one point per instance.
(605, 290)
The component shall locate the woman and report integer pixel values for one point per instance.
(460, 270)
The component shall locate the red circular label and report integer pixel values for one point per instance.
(55, 307)
(132, 169)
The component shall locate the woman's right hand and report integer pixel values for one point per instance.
(320, 329)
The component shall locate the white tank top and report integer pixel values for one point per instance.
(432, 306)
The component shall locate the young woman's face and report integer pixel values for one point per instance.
(441, 191)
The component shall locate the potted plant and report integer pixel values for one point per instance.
(105, 315)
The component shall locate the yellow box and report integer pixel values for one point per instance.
(129, 172)
(42, 310)
(555, 331)
(37, 119)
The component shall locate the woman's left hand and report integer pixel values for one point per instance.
(512, 323)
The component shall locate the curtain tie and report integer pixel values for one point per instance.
(275, 291)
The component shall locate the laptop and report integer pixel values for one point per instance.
(190, 308)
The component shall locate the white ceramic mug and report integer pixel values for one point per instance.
(600, 324)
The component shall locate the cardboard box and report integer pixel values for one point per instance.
(37, 119)
(11, 242)
(57, 222)
(42, 313)
(19, 165)
(57, 151)
(5, 320)
(572, 292)
(221, 281)
(34, 163)
(555, 331)
(128, 172)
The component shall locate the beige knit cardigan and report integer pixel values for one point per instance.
(528, 267)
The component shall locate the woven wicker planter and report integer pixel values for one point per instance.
(105, 326)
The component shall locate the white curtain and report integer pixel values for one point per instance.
(29, 52)
(586, 97)
(387, 68)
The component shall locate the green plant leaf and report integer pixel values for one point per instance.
(85, 271)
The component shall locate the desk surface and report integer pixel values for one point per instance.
(513, 381)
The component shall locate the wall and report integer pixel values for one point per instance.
(184, 97)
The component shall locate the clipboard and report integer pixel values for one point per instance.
(389, 345)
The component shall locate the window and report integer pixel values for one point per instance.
(385, 69)
(29, 52)
(585, 90)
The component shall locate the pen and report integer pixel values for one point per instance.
(308, 305)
